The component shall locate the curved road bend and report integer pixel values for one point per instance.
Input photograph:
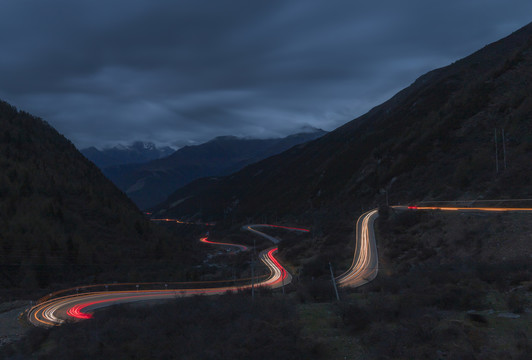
(282, 276)
(464, 209)
(363, 269)
(206, 240)
(365, 263)
(252, 228)
(58, 310)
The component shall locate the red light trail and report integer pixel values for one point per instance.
(53, 311)
(207, 241)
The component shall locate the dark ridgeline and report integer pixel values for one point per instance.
(150, 183)
(61, 220)
(433, 140)
(137, 152)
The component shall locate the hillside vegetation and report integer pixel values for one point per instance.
(221, 327)
(61, 220)
(449, 286)
(441, 292)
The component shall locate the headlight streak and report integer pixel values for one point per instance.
(279, 276)
(206, 240)
(281, 227)
(85, 287)
(181, 222)
(447, 208)
(55, 311)
(364, 267)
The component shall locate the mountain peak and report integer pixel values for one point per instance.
(226, 138)
(150, 183)
(120, 154)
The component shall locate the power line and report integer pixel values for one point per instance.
(496, 153)
(504, 148)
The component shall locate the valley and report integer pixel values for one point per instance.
(401, 234)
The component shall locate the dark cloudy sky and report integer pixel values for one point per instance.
(178, 72)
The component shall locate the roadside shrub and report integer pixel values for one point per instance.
(505, 274)
(516, 302)
(406, 219)
(478, 318)
(315, 268)
(355, 318)
(217, 327)
(321, 290)
(454, 297)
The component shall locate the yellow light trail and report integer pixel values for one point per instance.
(54, 311)
(365, 260)
(447, 208)
(364, 267)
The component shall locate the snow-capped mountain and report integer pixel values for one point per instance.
(137, 152)
(150, 183)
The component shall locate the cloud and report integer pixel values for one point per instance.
(179, 71)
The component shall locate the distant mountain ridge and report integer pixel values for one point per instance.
(137, 152)
(432, 140)
(150, 183)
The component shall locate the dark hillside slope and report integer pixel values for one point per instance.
(150, 183)
(433, 140)
(61, 220)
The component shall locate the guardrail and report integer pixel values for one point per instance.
(134, 286)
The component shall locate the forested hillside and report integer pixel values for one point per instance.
(61, 220)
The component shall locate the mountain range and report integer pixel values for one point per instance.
(149, 183)
(137, 152)
(433, 140)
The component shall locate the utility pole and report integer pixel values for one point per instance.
(252, 280)
(496, 153)
(334, 282)
(253, 273)
(282, 279)
(504, 148)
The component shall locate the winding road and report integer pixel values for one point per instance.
(57, 310)
(206, 240)
(363, 269)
